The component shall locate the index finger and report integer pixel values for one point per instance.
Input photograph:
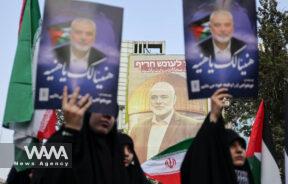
(86, 106)
(74, 96)
(64, 96)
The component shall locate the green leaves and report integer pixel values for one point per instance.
(273, 75)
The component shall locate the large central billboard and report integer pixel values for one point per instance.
(159, 112)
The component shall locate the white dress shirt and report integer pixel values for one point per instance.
(78, 65)
(222, 56)
(156, 134)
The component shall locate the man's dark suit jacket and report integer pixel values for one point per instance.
(180, 128)
(207, 47)
(63, 55)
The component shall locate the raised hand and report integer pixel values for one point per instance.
(74, 109)
(217, 103)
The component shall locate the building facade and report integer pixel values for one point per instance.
(129, 48)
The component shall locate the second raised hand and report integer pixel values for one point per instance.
(217, 103)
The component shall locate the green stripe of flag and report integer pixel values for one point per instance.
(19, 104)
(179, 147)
(255, 165)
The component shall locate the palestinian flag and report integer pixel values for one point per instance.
(200, 29)
(59, 34)
(260, 152)
(165, 167)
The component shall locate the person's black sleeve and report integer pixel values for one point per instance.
(60, 175)
(208, 161)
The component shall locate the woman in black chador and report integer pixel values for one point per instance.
(95, 150)
(216, 155)
(130, 161)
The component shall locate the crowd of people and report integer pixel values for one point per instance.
(103, 155)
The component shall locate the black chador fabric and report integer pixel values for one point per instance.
(208, 160)
(134, 170)
(15, 177)
(95, 158)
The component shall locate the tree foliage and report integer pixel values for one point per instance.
(273, 72)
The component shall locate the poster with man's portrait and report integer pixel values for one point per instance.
(221, 47)
(79, 46)
(159, 112)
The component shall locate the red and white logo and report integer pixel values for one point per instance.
(170, 162)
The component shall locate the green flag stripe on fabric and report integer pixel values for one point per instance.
(260, 149)
(255, 144)
(255, 165)
(183, 145)
(165, 167)
(21, 161)
(270, 172)
(19, 104)
(35, 19)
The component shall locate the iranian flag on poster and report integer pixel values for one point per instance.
(165, 167)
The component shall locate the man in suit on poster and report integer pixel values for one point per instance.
(222, 46)
(80, 54)
(165, 128)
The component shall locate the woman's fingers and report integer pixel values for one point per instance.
(73, 106)
(83, 100)
(74, 96)
(87, 105)
(64, 97)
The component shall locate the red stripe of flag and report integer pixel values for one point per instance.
(21, 15)
(167, 178)
(48, 125)
(197, 31)
(255, 142)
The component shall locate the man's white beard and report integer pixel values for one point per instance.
(80, 47)
(161, 112)
(222, 39)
